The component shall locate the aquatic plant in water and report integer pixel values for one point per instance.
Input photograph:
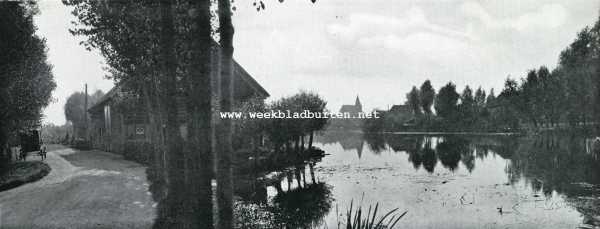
(356, 219)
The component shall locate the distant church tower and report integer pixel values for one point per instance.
(352, 109)
(358, 105)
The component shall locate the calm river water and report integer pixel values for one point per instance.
(546, 181)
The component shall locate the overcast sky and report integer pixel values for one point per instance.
(376, 49)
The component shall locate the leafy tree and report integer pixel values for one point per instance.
(543, 95)
(446, 102)
(555, 97)
(312, 102)
(162, 58)
(467, 106)
(490, 100)
(579, 65)
(284, 132)
(427, 94)
(529, 99)
(75, 111)
(27, 81)
(413, 100)
(509, 103)
(480, 99)
(168, 56)
(126, 33)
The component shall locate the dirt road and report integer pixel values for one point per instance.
(85, 189)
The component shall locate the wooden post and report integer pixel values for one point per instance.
(85, 112)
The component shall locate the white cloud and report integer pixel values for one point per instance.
(546, 17)
(421, 45)
(410, 35)
(414, 19)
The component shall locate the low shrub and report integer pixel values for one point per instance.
(21, 173)
(140, 152)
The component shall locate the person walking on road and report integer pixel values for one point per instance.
(22, 154)
(43, 152)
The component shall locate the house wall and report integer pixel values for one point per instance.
(126, 129)
(118, 131)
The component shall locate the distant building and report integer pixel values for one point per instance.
(352, 109)
(352, 124)
(402, 115)
(401, 109)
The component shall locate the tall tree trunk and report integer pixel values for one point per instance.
(199, 146)
(312, 172)
(303, 172)
(297, 144)
(298, 177)
(225, 154)
(159, 130)
(310, 140)
(152, 118)
(278, 187)
(174, 205)
(5, 154)
(289, 178)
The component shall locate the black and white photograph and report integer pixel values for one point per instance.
(299, 114)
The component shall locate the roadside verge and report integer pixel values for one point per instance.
(21, 173)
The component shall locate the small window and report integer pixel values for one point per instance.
(139, 130)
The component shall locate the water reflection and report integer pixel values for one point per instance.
(561, 168)
(350, 141)
(568, 165)
(550, 163)
(287, 198)
(274, 192)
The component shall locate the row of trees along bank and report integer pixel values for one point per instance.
(165, 49)
(284, 135)
(565, 97)
(26, 80)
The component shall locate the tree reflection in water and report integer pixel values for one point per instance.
(563, 163)
(298, 202)
(566, 164)
(303, 207)
(293, 196)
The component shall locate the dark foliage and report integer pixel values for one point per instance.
(26, 80)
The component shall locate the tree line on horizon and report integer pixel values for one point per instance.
(446, 110)
(565, 97)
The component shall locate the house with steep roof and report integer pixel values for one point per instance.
(120, 121)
